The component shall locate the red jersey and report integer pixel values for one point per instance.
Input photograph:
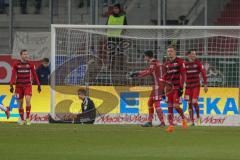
(193, 70)
(155, 70)
(22, 73)
(175, 72)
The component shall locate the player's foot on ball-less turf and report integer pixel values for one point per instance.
(7, 112)
(28, 122)
(192, 124)
(199, 121)
(162, 125)
(170, 129)
(184, 123)
(21, 122)
(147, 124)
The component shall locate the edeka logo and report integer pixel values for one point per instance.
(228, 106)
(129, 103)
(13, 102)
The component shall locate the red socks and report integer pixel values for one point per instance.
(21, 113)
(150, 114)
(196, 109)
(180, 111)
(170, 114)
(159, 112)
(191, 112)
(160, 115)
(28, 111)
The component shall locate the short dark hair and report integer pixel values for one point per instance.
(117, 5)
(82, 91)
(23, 50)
(148, 53)
(172, 46)
(45, 60)
(191, 50)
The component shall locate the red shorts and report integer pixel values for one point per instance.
(173, 97)
(192, 93)
(23, 90)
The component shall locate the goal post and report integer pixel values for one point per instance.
(93, 56)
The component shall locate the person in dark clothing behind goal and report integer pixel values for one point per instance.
(115, 50)
(88, 114)
(43, 72)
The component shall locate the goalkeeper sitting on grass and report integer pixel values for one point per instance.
(155, 71)
(88, 114)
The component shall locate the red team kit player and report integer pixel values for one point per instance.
(155, 71)
(194, 68)
(22, 73)
(175, 73)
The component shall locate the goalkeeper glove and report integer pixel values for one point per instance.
(180, 92)
(132, 74)
(11, 88)
(39, 89)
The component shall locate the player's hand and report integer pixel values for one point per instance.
(11, 89)
(205, 88)
(132, 74)
(180, 92)
(39, 89)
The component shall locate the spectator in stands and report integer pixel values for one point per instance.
(43, 72)
(23, 5)
(38, 5)
(182, 20)
(2, 6)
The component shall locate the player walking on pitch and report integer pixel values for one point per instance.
(6, 110)
(154, 70)
(22, 72)
(175, 73)
(194, 68)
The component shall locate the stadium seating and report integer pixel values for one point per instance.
(230, 15)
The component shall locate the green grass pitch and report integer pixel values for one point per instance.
(117, 142)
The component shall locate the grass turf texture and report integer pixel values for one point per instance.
(113, 142)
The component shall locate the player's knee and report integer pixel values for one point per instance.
(175, 105)
(28, 102)
(150, 107)
(20, 106)
(195, 102)
(150, 104)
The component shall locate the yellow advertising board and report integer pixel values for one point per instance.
(122, 99)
